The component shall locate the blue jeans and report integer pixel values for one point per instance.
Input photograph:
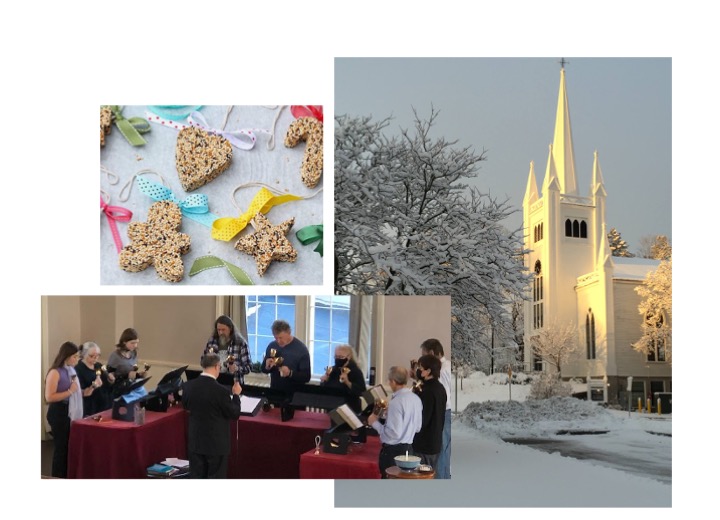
(443, 469)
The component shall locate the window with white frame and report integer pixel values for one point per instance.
(329, 326)
(260, 312)
(321, 322)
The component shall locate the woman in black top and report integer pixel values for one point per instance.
(347, 376)
(94, 381)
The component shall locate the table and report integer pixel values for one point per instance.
(395, 472)
(120, 449)
(361, 462)
(265, 447)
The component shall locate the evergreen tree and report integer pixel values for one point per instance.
(617, 245)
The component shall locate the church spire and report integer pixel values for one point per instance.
(598, 185)
(563, 153)
(531, 191)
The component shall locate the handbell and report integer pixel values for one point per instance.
(328, 370)
(413, 364)
(273, 353)
(135, 367)
(231, 360)
(380, 406)
(98, 372)
(345, 370)
(146, 366)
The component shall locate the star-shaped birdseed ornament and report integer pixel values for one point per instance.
(268, 243)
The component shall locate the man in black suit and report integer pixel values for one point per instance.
(211, 408)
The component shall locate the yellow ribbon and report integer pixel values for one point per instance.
(227, 227)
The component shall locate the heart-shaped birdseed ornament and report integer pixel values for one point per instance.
(200, 157)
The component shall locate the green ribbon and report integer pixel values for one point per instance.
(130, 128)
(211, 262)
(310, 234)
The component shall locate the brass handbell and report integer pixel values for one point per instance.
(380, 407)
(417, 386)
(135, 368)
(230, 360)
(98, 372)
(146, 366)
(273, 355)
(328, 370)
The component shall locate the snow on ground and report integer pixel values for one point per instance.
(628, 467)
(631, 462)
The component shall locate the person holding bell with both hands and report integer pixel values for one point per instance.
(286, 359)
(345, 375)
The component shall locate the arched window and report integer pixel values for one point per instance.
(538, 296)
(576, 228)
(590, 334)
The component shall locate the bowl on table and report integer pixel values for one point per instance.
(407, 462)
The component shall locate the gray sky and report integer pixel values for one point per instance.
(620, 107)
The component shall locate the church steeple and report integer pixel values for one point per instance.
(563, 153)
(531, 191)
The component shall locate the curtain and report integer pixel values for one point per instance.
(360, 334)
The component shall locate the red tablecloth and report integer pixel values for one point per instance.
(265, 447)
(360, 462)
(119, 449)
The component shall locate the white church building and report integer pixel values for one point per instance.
(578, 281)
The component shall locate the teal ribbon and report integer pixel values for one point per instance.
(212, 262)
(310, 234)
(130, 128)
(194, 207)
(174, 112)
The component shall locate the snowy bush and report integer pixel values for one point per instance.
(534, 418)
(547, 385)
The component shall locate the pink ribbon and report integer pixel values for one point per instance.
(115, 214)
(315, 111)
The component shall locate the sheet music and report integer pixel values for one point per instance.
(349, 417)
(248, 404)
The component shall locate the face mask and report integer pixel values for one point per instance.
(418, 375)
(340, 362)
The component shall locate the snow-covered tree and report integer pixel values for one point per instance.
(407, 223)
(657, 247)
(656, 310)
(617, 245)
(555, 343)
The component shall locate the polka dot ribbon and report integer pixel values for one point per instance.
(226, 228)
(115, 214)
(194, 207)
(173, 112)
(244, 139)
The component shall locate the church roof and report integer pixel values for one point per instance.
(633, 268)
